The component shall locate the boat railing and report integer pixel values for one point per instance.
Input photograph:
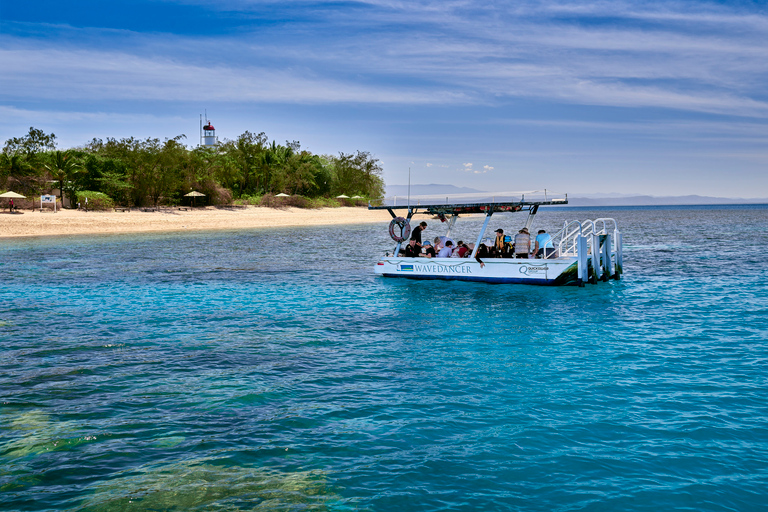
(566, 240)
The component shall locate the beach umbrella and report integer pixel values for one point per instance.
(342, 196)
(282, 195)
(357, 197)
(12, 195)
(193, 195)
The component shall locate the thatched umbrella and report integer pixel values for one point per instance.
(193, 195)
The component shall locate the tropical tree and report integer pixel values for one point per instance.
(358, 173)
(64, 167)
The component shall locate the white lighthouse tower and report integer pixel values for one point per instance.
(207, 133)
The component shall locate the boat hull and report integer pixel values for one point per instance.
(551, 272)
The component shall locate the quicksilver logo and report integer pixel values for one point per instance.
(524, 269)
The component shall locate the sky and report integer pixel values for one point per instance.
(660, 98)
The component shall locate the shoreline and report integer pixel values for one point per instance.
(33, 223)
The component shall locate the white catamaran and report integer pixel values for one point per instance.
(584, 251)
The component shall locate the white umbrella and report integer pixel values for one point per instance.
(342, 196)
(13, 195)
(356, 197)
(282, 195)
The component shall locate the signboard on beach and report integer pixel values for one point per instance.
(48, 199)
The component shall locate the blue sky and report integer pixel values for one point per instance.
(661, 98)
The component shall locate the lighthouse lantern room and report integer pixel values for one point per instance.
(207, 133)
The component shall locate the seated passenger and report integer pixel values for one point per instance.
(522, 244)
(508, 249)
(544, 247)
(429, 251)
(461, 251)
(440, 242)
(412, 250)
(446, 251)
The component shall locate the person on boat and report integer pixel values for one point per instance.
(412, 250)
(498, 245)
(416, 233)
(482, 252)
(461, 250)
(446, 251)
(429, 251)
(522, 243)
(440, 242)
(543, 247)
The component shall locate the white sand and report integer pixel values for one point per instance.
(74, 222)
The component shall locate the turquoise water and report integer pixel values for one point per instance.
(271, 370)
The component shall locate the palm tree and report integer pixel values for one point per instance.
(65, 168)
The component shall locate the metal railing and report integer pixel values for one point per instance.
(566, 239)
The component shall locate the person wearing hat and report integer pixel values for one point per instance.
(416, 233)
(498, 246)
(429, 251)
(522, 244)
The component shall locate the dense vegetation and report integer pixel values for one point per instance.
(135, 172)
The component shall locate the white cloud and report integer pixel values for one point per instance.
(425, 52)
(94, 75)
(487, 167)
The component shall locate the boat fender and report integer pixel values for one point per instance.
(399, 229)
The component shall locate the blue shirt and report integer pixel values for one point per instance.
(544, 241)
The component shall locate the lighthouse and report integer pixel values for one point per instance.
(207, 133)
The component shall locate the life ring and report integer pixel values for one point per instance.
(400, 229)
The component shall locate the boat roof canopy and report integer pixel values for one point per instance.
(486, 208)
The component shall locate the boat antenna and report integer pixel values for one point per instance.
(409, 187)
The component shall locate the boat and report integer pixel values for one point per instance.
(585, 251)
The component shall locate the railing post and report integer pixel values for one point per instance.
(607, 267)
(596, 258)
(581, 259)
(619, 254)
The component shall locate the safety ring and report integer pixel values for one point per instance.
(400, 229)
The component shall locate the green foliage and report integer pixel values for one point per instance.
(96, 200)
(247, 170)
(66, 168)
(248, 199)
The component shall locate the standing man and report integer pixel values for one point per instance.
(499, 247)
(416, 233)
(522, 243)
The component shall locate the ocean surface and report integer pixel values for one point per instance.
(271, 370)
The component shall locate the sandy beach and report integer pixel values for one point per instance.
(27, 223)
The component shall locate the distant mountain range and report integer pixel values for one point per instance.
(440, 193)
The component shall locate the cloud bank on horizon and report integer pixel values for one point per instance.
(662, 98)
